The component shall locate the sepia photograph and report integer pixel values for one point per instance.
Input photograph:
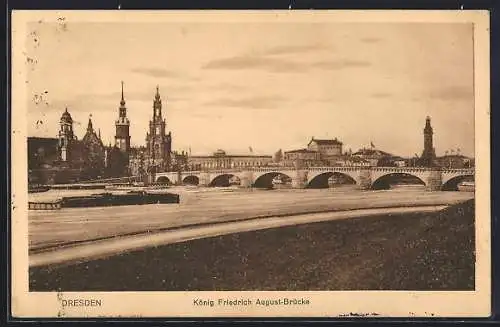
(272, 163)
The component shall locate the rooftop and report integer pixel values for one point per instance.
(301, 151)
(232, 156)
(334, 141)
(371, 152)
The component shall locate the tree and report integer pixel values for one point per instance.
(278, 156)
(118, 163)
(141, 171)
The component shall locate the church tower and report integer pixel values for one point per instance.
(159, 143)
(429, 154)
(122, 124)
(65, 136)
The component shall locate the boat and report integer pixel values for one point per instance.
(234, 181)
(110, 199)
(466, 186)
(49, 205)
(279, 183)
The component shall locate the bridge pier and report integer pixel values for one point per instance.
(434, 180)
(204, 179)
(246, 179)
(300, 179)
(365, 179)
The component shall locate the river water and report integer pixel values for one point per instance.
(206, 205)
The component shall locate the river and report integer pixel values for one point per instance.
(207, 205)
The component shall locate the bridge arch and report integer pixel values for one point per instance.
(164, 180)
(385, 181)
(266, 180)
(452, 183)
(322, 180)
(224, 180)
(191, 180)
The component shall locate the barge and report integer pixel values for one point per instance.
(466, 187)
(107, 200)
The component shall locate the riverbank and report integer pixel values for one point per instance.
(414, 251)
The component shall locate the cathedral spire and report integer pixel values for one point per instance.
(157, 104)
(89, 126)
(122, 102)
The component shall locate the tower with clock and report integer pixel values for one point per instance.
(122, 124)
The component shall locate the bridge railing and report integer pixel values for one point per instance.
(112, 180)
(316, 168)
(458, 170)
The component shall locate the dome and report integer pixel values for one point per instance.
(66, 117)
(220, 152)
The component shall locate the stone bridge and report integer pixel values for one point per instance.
(365, 177)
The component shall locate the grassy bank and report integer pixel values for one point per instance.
(392, 252)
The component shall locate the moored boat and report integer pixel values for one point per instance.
(106, 200)
(129, 198)
(467, 186)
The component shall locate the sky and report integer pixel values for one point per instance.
(267, 86)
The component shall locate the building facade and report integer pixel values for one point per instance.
(305, 156)
(456, 161)
(375, 157)
(327, 149)
(319, 152)
(221, 160)
(66, 159)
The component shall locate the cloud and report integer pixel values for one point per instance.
(262, 102)
(255, 62)
(381, 95)
(370, 40)
(155, 72)
(163, 73)
(453, 93)
(341, 64)
(275, 65)
(226, 87)
(107, 102)
(294, 49)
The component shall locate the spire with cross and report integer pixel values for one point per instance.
(89, 126)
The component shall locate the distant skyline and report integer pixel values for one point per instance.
(237, 86)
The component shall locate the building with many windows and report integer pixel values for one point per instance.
(319, 152)
(221, 160)
(305, 156)
(327, 149)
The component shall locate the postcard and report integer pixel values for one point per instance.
(250, 164)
